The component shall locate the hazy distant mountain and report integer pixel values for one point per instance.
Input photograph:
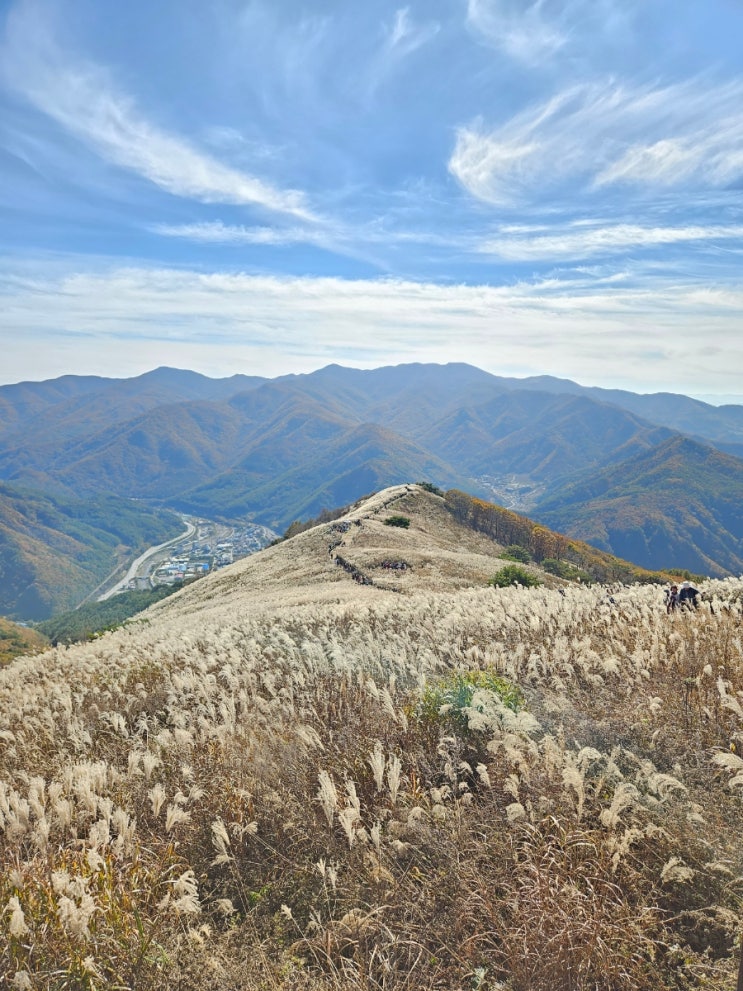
(322, 474)
(100, 403)
(543, 436)
(20, 403)
(212, 455)
(719, 424)
(281, 449)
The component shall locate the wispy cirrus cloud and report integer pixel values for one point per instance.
(592, 137)
(342, 238)
(525, 31)
(592, 239)
(85, 101)
(217, 232)
(405, 36)
(401, 37)
(531, 31)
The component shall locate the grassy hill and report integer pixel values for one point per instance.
(287, 777)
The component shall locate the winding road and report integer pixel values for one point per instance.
(136, 565)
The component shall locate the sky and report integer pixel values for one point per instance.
(270, 186)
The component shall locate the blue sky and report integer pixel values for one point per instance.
(531, 186)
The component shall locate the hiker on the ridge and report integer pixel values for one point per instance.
(672, 598)
(688, 597)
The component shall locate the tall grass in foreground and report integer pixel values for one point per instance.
(275, 802)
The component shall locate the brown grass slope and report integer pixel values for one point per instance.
(287, 778)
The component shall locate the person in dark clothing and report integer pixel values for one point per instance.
(688, 596)
(672, 598)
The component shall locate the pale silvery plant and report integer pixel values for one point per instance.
(726, 700)
(573, 779)
(676, 871)
(185, 895)
(734, 764)
(327, 796)
(75, 904)
(199, 716)
(17, 926)
(350, 816)
(625, 798)
(221, 843)
(157, 796)
(394, 776)
(125, 828)
(376, 762)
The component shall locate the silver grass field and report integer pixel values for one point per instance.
(281, 778)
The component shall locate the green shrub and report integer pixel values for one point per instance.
(515, 552)
(455, 692)
(564, 569)
(430, 487)
(403, 521)
(512, 574)
(94, 618)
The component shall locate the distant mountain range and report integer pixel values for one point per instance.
(656, 479)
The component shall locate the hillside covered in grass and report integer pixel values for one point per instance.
(319, 769)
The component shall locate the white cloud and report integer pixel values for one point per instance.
(583, 240)
(401, 27)
(337, 237)
(534, 31)
(400, 39)
(596, 136)
(83, 99)
(215, 232)
(405, 37)
(525, 31)
(122, 321)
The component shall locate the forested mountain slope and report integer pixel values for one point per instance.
(54, 550)
(679, 503)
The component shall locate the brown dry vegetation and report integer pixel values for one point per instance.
(243, 790)
(16, 640)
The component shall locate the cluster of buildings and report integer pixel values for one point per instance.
(213, 545)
